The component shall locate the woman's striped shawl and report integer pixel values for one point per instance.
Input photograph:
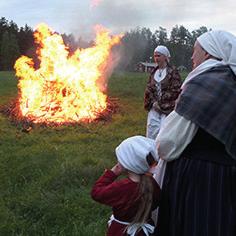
(209, 100)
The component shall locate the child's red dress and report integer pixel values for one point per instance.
(123, 197)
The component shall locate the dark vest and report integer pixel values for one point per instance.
(209, 101)
(205, 147)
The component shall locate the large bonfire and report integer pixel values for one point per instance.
(65, 88)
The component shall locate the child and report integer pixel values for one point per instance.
(132, 198)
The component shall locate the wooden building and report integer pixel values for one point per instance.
(145, 66)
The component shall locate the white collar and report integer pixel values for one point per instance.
(206, 65)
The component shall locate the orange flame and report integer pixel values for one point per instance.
(65, 88)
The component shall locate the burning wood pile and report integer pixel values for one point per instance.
(65, 89)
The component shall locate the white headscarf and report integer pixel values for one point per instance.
(132, 152)
(220, 44)
(163, 50)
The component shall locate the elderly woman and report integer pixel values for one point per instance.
(199, 140)
(161, 92)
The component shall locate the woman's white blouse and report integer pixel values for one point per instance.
(160, 74)
(175, 134)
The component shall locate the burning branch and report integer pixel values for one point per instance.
(66, 88)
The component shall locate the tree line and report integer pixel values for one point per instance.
(137, 44)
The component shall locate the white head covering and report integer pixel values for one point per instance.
(163, 50)
(220, 44)
(132, 152)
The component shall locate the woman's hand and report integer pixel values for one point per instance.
(118, 169)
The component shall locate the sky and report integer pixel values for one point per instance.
(80, 16)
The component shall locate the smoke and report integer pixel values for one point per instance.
(78, 17)
(95, 3)
(113, 61)
(121, 16)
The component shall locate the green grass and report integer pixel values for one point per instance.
(46, 175)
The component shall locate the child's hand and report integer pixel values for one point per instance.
(117, 169)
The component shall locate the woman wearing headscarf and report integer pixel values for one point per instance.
(199, 140)
(162, 89)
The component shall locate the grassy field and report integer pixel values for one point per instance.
(46, 175)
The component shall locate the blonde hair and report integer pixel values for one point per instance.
(145, 197)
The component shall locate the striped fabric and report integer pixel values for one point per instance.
(199, 192)
(209, 100)
(196, 200)
(199, 188)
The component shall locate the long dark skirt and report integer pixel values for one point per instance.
(198, 199)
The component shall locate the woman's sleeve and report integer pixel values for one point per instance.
(147, 95)
(177, 82)
(174, 136)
